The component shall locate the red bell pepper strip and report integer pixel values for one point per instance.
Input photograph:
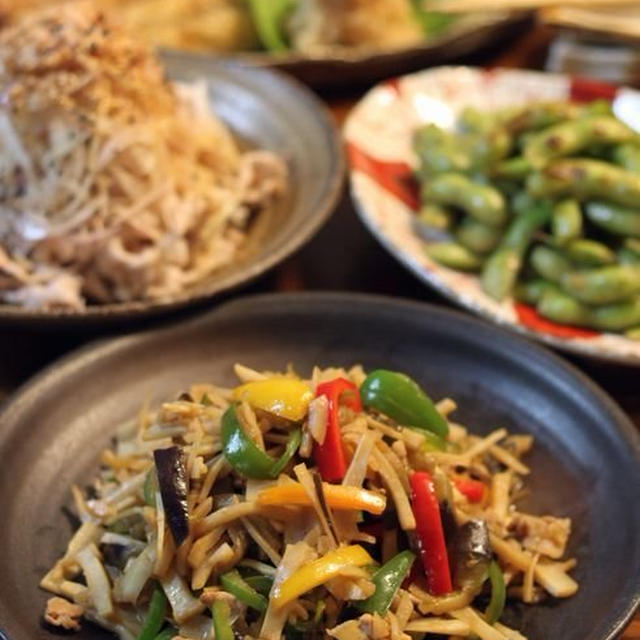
(472, 489)
(330, 455)
(433, 550)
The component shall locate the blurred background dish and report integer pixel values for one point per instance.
(326, 43)
(380, 134)
(118, 169)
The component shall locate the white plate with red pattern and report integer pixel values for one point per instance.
(378, 134)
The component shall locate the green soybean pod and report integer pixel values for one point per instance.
(436, 217)
(614, 218)
(476, 236)
(566, 221)
(517, 168)
(603, 285)
(532, 290)
(540, 115)
(586, 179)
(626, 256)
(632, 244)
(584, 251)
(439, 151)
(560, 307)
(549, 263)
(628, 156)
(503, 266)
(573, 136)
(633, 333)
(483, 202)
(488, 148)
(454, 256)
(616, 317)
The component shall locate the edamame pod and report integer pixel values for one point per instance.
(436, 217)
(614, 218)
(549, 263)
(453, 255)
(573, 136)
(484, 203)
(502, 268)
(566, 221)
(540, 115)
(586, 180)
(628, 156)
(439, 151)
(603, 285)
(531, 291)
(560, 307)
(616, 317)
(589, 252)
(476, 236)
(517, 168)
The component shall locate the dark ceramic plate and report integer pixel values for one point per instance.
(364, 66)
(265, 110)
(586, 463)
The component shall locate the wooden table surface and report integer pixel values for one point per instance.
(357, 263)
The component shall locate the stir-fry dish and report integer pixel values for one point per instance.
(345, 505)
(115, 185)
(543, 202)
(311, 27)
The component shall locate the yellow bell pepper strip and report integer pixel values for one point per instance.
(339, 497)
(318, 572)
(284, 397)
(246, 457)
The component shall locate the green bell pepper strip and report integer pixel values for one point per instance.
(262, 584)
(236, 585)
(246, 457)
(268, 17)
(221, 614)
(396, 395)
(167, 634)
(498, 594)
(155, 616)
(387, 579)
(150, 487)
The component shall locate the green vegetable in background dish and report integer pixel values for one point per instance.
(573, 136)
(566, 221)
(586, 179)
(604, 284)
(482, 202)
(614, 218)
(268, 17)
(544, 200)
(502, 268)
(454, 256)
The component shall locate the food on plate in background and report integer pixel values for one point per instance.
(346, 505)
(543, 201)
(312, 27)
(115, 184)
(317, 24)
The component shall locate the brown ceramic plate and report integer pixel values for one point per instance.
(265, 110)
(586, 462)
(364, 66)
